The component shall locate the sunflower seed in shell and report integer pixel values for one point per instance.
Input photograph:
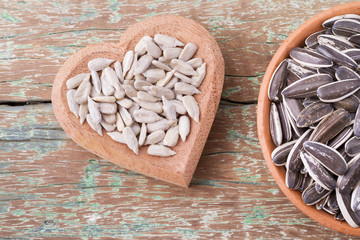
(298, 69)
(319, 188)
(323, 202)
(306, 87)
(145, 116)
(306, 182)
(311, 197)
(161, 65)
(309, 58)
(355, 198)
(108, 127)
(153, 49)
(279, 154)
(94, 111)
(98, 64)
(335, 41)
(337, 56)
(346, 27)
(308, 101)
(275, 125)
(331, 159)
(141, 85)
(278, 82)
(349, 104)
(348, 181)
(355, 39)
(160, 150)
(293, 161)
(186, 89)
(126, 103)
(109, 118)
(345, 73)
(294, 106)
(197, 80)
(126, 117)
(120, 125)
(293, 180)
(330, 126)
(313, 114)
(75, 81)
(183, 67)
(163, 82)
(337, 91)
(130, 139)
(155, 137)
(179, 106)
(195, 62)
(171, 53)
(107, 108)
(83, 91)
(344, 201)
(159, 91)
(311, 40)
(117, 136)
(191, 107)
(341, 138)
(357, 123)
(352, 147)
(330, 22)
(188, 52)
(127, 62)
(172, 136)
(329, 70)
(163, 124)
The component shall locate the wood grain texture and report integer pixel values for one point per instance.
(53, 189)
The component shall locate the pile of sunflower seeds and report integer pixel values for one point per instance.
(145, 100)
(315, 118)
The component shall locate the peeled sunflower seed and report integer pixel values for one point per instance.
(83, 111)
(117, 136)
(161, 65)
(191, 107)
(167, 41)
(142, 136)
(172, 136)
(163, 124)
(107, 126)
(197, 80)
(98, 64)
(83, 91)
(153, 49)
(142, 64)
(109, 118)
(108, 108)
(130, 139)
(155, 137)
(195, 62)
(145, 116)
(171, 53)
(73, 106)
(94, 125)
(160, 150)
(188, 52)
(94, 111)
(127, 62)
(186, 89)
(183, 67)
(75, 81)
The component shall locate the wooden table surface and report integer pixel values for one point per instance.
(52, 188)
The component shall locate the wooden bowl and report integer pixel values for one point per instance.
(179, 168)
(295, 39)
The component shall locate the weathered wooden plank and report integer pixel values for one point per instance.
(248, 32)
(53, 188)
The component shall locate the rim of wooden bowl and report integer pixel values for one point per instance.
(297, 38)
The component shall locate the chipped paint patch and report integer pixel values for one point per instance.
(8, 17)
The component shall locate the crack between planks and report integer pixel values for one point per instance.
(24, 103)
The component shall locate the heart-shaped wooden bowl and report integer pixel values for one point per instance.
(179, 168)
(297, 38)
